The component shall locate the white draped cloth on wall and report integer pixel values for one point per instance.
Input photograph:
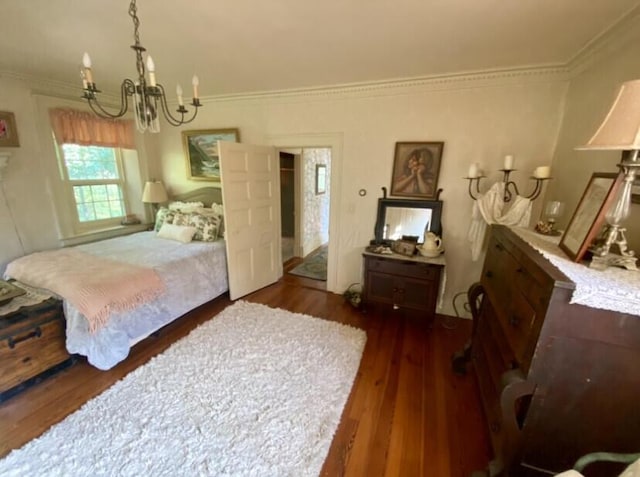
(489, 209)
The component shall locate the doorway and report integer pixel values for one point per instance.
(305, 183)
(333, 142)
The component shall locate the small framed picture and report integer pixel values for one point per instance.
(201, 151)
(8, 130)
(416, 166)
(321, 179)
(588, 217)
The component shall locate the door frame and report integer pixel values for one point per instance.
(333, 141)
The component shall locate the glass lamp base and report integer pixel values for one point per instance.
(613, 260)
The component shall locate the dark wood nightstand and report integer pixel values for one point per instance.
(402, 282)
(32, 345)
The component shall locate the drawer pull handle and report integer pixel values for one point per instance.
(488, 274)
(37, 333)
(499, 247)
(514, 321)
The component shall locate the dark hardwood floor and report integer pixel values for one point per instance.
(408, 414)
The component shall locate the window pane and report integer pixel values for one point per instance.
(90, 162)
(99, 202)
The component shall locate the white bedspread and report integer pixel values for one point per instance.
(193, 273)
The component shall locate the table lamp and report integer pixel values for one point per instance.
(154, 193)
(620, 130)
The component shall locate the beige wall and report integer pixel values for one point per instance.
(479, 119)
(590, 95)
(26, 211)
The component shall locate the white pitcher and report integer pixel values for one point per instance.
(432, 243)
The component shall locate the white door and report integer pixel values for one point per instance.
(250, 178)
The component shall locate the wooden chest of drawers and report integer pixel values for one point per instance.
(401, 282)
(557, 380)
(32, 341)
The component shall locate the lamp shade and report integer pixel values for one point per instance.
(154, 193)
(620, 129)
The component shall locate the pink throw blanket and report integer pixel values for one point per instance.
(96, 286)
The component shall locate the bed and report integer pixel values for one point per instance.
(191, 273)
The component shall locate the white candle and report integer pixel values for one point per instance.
(508, 162)
(542, 172)
(84, 79)
(179, 93)
(473, 170)
(86, 61)
(151, 66)
(195, 82)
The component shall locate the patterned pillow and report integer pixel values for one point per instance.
(206, 227)
(164, 215)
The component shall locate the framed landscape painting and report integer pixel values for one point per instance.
(8, 130)
(201, 151)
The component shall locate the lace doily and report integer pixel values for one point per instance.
(615, 289)
(32, 296)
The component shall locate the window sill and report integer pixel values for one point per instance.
(102, 234)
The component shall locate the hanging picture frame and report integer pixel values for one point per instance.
(589, 215)
(201, 152)
(416, 166)
(321, 179)
(8, 130)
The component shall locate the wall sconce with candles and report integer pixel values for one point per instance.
(540, 174)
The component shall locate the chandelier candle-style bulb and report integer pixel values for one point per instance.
(151, 67)
(86, 61)
(179, 93)
(84, 79)
(195, 82)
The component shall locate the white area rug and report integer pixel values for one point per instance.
(256, 391)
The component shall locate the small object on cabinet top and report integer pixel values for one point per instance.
(404, 247)
(8, 292)
(379, 249)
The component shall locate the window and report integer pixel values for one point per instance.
(94, 182)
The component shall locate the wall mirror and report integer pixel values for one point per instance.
(398, 217)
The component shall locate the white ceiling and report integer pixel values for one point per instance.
(238, 46)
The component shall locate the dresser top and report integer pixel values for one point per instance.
(614, 289)
(439, 260)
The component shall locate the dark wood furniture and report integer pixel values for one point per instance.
(32, 342)
(409, 283)
(557, 380)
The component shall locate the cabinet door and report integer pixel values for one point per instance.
(381, 287)
(416, 294)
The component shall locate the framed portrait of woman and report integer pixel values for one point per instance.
(416, 166)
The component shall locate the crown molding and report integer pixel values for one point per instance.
(622, 32)
(465, 80)
(455, 81)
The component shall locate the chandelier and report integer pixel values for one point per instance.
(148, 96)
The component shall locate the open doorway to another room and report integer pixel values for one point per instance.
(305, 208)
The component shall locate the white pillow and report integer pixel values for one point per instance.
(185, 207)
(180, 233)
(218, 208)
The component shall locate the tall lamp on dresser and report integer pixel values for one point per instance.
(620, 131)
